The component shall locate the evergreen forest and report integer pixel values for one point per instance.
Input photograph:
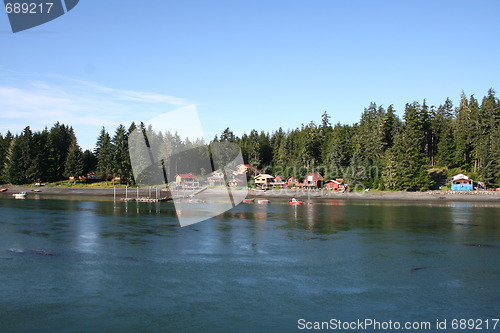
(417, 152)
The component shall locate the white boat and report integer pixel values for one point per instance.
(295, 202)
(21, 195)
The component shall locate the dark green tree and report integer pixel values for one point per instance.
(40, 166)
(74, 165)
(228, 136)
(89, 161)
(104, 153)
(491, 170)
(410, 153)
(59, 141)
(463, 134)
(121, 157)
(5, 143)
(442, 135)
(20, 158)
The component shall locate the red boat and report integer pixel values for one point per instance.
(295, 202)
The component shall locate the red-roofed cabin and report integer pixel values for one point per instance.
(291, 181)
(336, 185)
(243, 168)
(187, 180)
(279, 181)
(313, 180)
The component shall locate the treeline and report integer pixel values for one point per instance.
(381, 151)
(54, 155)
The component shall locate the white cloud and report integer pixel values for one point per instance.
(87, 106)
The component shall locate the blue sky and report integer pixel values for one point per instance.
(244, 64)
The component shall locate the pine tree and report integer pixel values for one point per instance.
(486, 126)
(370, 143)
(60, 139)
(410, 151)
(3, 154)
(338, 151)
(463, 134)
(15, 173)
(390, 124)
(104, 154)
(492, 162)
(227, 135)
(74, 163)
(121, 157)
(89, 161)
(20, 158)
(442, 138)
(40, 166)
(4, 158)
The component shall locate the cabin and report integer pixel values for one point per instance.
(461, 182)
(246, 169)
(242, 168)
(313, 180)
(279, 181)
(186, 180)
(336, 185)
(291, 182)
(217, 178)
(263, 180)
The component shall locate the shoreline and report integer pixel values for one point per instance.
(480, 196)
(485, 196)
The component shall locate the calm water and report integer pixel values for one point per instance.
(258, 268)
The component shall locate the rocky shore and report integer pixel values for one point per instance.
(489, 196)
(382, 195)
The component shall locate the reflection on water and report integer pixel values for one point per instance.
(462, 213)
(129, 266)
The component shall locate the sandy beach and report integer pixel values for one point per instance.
(487, 196)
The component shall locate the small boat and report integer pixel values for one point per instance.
(4, 189)
(21, 195)
(264, 201)
(248, 201)
(295, 202)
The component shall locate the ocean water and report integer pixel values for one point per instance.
(99, 266)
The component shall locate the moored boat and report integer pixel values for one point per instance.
(21, 195)
(3, 189)
(264, 201)
(248, 201)
(295, 202)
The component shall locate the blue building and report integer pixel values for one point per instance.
(461, 182)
